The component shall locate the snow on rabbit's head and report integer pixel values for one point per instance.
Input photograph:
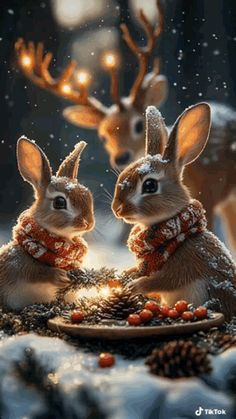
(62, 205)
(151, 190)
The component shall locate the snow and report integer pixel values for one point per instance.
(224, 367)
(70, 186)
(125, 391)
(145, 168)
(146, 164)
(153, 113)
(124, 184)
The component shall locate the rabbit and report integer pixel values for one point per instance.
(191, 263)
(47, 239)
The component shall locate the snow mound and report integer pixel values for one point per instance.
(125, 391)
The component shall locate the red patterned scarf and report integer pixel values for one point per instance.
(155, 244)
(48, 248)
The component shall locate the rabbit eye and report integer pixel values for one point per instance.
(150, 186)
(59, 203)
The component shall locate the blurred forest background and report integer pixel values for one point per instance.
(198, 53)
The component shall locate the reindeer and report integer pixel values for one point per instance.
(212, 178)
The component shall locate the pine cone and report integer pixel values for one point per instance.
(10, 323)
(225, 342)
(119, 305)
(178, 359)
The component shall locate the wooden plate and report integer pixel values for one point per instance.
(59, 324)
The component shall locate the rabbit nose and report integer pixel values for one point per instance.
(123, 158)
(119, 209)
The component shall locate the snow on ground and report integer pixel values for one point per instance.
(126, 391)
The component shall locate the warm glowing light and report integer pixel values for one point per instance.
(66, 88)
(83, 78)
(110, 60)
(26, 61)
(93, 292)
(104, 291)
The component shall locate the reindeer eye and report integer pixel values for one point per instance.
(138, 127)
(150, 186)
(59, 203)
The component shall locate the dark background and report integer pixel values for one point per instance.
(198, 51)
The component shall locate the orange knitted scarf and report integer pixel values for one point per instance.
(48, 248)
(155, 244)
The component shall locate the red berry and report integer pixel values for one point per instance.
(134, 320)
(173, 314)
(106, 360)
(77, 317)
(164, 310)
(181, 306)
(145, 315)
(200, 312)
(152, 306)
(187, 316)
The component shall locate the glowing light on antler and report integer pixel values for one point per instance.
(26, 61)
(110, 60)
(83, 78)
(66, 88)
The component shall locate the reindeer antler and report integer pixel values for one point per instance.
(35, 66)
(144, 53)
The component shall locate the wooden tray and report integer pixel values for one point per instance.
(59, 324)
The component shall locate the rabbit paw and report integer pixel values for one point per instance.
(130, 271)
(138, 286)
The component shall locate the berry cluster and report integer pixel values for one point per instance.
(153, 309)
(181, 310)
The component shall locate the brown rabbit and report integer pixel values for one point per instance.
(176, 254)
(47, 238)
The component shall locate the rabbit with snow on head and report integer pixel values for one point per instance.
(47, 238)
(176, 254)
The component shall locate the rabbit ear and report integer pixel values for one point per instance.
(69, 167)
(156, 132)
(33, 164)
(189, 135)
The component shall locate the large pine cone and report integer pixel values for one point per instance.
(179, 359)
(119, 305)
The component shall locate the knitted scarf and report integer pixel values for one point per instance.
(46, 247)
(154, 245)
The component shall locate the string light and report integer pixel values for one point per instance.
(83, 78)
(66, 88)
(110, 60)
(26, 61)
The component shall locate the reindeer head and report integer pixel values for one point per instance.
(120, 127)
